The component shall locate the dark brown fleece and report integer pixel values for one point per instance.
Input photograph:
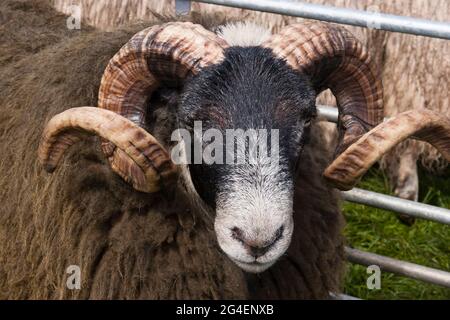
(128, 245)
(28, 27)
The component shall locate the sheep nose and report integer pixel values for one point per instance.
(258, 251)
(254, 248)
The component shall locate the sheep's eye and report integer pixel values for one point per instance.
(307, 123)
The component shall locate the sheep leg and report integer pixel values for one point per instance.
(402, 173)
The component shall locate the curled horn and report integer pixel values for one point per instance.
(334, 59)
(423, 124)
(72, 125)
(159, 55)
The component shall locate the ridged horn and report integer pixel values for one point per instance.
(334, 59)
(164, 54)
(151, 162)
(160, 55)
(424, 124)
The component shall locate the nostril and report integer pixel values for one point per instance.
(261, 250)
(253, 249)
(278, 234)
(237, 234)
(258, 251)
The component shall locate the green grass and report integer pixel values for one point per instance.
(379, 231)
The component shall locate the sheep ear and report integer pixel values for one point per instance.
(144, 162)
(423, 124)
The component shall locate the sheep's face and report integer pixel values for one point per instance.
(253, 196)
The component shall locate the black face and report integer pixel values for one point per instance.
(250, 89)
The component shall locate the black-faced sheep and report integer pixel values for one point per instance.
(406, 64)
(132, 244)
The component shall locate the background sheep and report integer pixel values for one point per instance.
(128, 245)
(406, 63)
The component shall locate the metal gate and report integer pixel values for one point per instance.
(386, 22)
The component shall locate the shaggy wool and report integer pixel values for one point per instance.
(129, 245)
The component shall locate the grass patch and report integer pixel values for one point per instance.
(379, 231)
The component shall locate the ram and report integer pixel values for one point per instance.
(140, 226)
(406, 64)
(407, 67)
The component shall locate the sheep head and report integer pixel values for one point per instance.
(271, 87)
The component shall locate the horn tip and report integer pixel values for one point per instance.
(338, 183)
(49, 167)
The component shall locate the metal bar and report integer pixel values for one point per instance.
(366, 19)
(411, 208)
(403, 268)
(328, 113)
(342, 296)
(182, 6)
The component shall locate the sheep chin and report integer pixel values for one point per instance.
(253, 267)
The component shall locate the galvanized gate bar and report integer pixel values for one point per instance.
(342, 296)
(182, 6)
(403, 268)
(411, 208)
(366, 19)
(328, 113)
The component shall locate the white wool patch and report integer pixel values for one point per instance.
(244, 34)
